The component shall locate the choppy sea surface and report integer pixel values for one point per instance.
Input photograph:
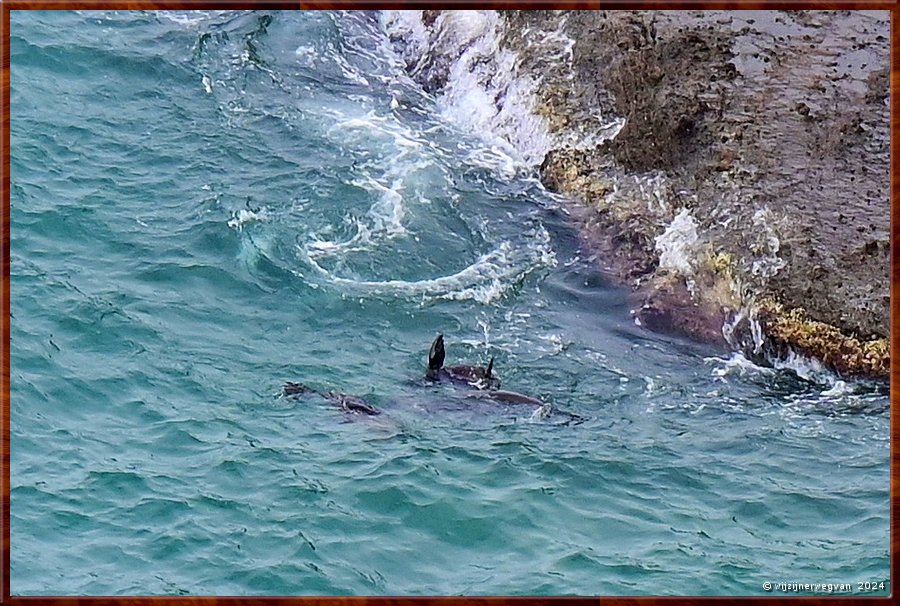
(207, 205)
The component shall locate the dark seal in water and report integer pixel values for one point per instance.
(346, 402)
(480, 377)
(487, 385)
(542, 409)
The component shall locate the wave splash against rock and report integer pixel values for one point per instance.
(731, 167)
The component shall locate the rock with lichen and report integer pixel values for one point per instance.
(715, 162)
(849, 355)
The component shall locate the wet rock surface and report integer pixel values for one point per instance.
(731, 167)
(795, 330)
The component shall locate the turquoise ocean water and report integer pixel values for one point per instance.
(204, 206)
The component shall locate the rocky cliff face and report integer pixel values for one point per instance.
(731, 167)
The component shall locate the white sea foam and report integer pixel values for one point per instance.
(767, 263)
(556, 344)
(485, 92)
(736, 364)
(485, 281)
(557, 47)
(556, 43)
(592, 134)
(806, 368)
(407, 25)
(677, 246)
(839, 389)
(756, 331)
(391, 179)
(241, 217)
(803, 366)
(730, 325)
(387, 212)
(541, 413)
(190, 18)
(383, 221)
(482, 94)
(360, 241)
(350, 72)
(496, 160)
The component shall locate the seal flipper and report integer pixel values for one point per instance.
(436, 358)
(491, 381)
(484, 377)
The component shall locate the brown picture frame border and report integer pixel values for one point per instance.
(6, 6)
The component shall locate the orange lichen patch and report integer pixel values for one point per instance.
(562, 170)
(716, 276)
(552, 109)
(845, 354)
